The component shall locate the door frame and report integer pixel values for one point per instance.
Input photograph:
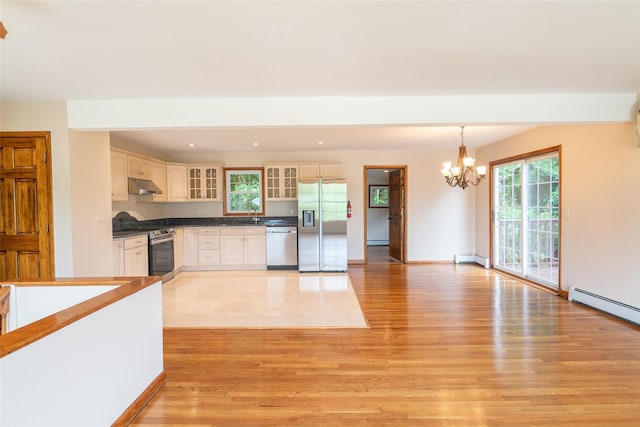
(365, 192)
(522, 157)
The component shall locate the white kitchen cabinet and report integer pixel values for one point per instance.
(118, 257)
(208, 246)
(159, 178)
(190, 247)
(204, 182)
(136, 256)
(231, 248)
(178, 249)
(225, 248)
(143, 168)
(176, 182)
(119, 181)
(320, 170)
(138, 167)
(255, 249)
(281, 182)
(330, 170)
(244, 246)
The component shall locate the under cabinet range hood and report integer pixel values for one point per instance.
(143, 186)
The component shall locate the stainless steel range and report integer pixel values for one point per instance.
(161, 253)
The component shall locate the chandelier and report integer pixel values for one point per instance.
(465, 172)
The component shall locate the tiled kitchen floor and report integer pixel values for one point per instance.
(261, 299)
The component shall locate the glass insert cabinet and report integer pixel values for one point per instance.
(281, 182)
(205, 182)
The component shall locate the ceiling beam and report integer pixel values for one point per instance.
(128, 114)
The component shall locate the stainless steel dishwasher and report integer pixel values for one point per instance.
(282, 248)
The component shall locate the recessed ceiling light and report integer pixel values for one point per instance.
(192, 145)
(320, 142)
(255, 144)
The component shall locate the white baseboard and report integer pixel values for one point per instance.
(616, 308)
(471, 259)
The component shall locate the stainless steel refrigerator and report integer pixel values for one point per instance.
(322, 225)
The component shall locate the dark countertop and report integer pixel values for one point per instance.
(123, 229)
(265, 221)
(128, 233)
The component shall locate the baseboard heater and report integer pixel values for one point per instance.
(607, 305)
(471, 259)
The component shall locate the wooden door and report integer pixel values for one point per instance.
(396, 214)
(26, 217)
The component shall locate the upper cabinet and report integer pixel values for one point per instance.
(320, 170)
(159, 178)
(181, 182)
(176, 182)
(281, 182)
(119, 181)
(138, 167)
(142, 168)
(205, 182)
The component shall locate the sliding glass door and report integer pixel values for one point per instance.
(526, 217)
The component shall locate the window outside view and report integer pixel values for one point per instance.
(527, 218)
(244, 191)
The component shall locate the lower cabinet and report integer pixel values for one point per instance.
(232, 249)
(243, 246)
(178, 250)
(118, 257)
(225, 248)
(254, 249)
(208, 246)
(190, 247)
(135, 256)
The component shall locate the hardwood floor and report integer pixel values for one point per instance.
(448, 346)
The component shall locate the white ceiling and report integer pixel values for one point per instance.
(315, 138)
(82, 50)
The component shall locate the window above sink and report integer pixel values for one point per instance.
(244, 191)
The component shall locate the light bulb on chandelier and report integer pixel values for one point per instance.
(464, 173)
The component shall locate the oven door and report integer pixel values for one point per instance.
(161, 257)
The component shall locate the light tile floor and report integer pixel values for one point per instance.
(261, 299)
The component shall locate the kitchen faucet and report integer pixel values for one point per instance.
(255, 215)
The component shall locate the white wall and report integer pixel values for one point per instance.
(90, 174)
(600, 203)
(87, 373)
(50, 116)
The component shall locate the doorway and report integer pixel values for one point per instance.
(525, 236)
(385, 199)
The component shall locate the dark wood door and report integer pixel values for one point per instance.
(396, 214)
(26, 217)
